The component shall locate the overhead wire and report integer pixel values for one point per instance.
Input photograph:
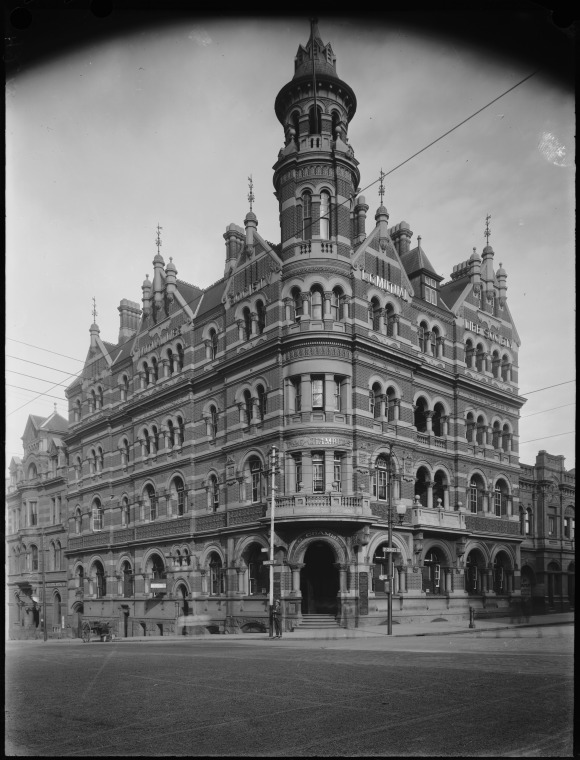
(433, 142)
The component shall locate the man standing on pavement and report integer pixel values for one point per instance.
(278, 619)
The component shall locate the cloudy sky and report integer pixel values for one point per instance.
(164, 124)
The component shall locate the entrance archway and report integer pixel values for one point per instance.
(319, 580)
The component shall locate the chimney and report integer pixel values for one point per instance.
(130, 314)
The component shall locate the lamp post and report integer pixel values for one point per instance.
(43, 583)
(273, 463)
(390, 550)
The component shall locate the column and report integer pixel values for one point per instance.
(445, 426)
(254, 325)
(288, 309)
(446, 497)
(396, 328)
(296, 567)
(346, 308)
(347, 395)
(240, 324)
(402, 579)
(448, 579)
(307, 471)
(305, 304)
(429, 421)
(342, 569)
(255, 417)
(203, 574)
(485, 501)
(328, 392)
(306, 393)
(397, 410)
(382, 399)
(382, 321)
(328, 470)
(241, 571)
(429, 494)
(327, 314)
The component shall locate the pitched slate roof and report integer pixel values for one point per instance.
(451, 291)
(55, 423)
(417, 260)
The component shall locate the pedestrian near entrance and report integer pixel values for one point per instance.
(278, 619)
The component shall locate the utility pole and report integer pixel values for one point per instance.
(43, 583)
(273, 464)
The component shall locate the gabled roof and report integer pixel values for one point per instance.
(451, 291)
(55, 423)
(212, 297)
(416, 261)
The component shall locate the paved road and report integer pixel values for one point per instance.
(493, 693)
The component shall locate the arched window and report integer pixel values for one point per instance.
(125, 451)
(473, 577)
(261, 402)
(213, 344)
(101, 397)
(500, 498)
(391, 404)
(78, 521)
(505, 368)
(439, 488)
(335, 124)
(297, 392)
(325, 215)
(496, 435)
(247, 317)
(295, 121)
(261, 315)
(306, 216)
(506, 437)
(375, 400)
(424, 336)
(337, 304)
(178, 496)
(480, 358)
(420, 415)
(77, 411)
(255, 467)
(125, 512)
(180, 357)
(101, 581)
(470, 427)
(146, 443)
(469, 353)
(127, 574)
(171, 433)
(296, 296)
(32, 472)
(93, 401)
(434, 339)
(33, 557)
(213, 493)
(181, 429)
(52, 556)
(213, 420)
(100, 459)
(391, 319)
(476, 488)
(258, 573)
(150, 502)
(98, 515)
(381, 479)
(170, 361)
(480, 430)
(216, 575)
(56, 610)
(375, 314)
(155, 438)
(314, 120)
(432, 582)
(248, 407)
(157, 572)
(437, 419)
(316, 300)
(146, 376)
(422, 483)
(495, 364)
(58, 555)
(501, 570)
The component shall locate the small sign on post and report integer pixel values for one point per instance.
(391, 549)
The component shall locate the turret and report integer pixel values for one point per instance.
(360, 216)
(502, 287)
(158, 277)
(146, 287)
(475, 271)
(235, 240)
(170, 279)
(94, 332)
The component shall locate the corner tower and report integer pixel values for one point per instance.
(316, 175)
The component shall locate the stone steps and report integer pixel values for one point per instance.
(318, 621)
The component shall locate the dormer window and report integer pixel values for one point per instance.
(431, 290)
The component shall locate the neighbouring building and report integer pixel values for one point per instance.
(547, 509)
(379, 382)
(37, 531)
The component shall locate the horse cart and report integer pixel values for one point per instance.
(97, 630)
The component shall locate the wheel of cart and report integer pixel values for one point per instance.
(86, 632)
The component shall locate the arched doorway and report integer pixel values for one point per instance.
(319, 580)
(78, 609)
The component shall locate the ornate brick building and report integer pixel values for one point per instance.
(36, 531)
(343, 347)
(547, 512)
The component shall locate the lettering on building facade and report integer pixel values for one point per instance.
(335, 442)
(384, 284)
(488, 333)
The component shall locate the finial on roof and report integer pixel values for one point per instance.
(95, 312)
(251, 197)
(381, 186)
(487, 232)
(158, 238)
(418, 241)
(55, 407)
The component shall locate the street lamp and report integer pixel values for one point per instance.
(391, 550)
(274, 464)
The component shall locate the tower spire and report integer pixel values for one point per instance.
(158, 237)
(95, 312)
(251, 197)
(487, 232)
(381, 186)
(313, 26)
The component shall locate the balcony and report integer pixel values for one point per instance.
(316, 506)
(437, 518)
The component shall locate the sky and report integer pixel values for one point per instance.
(163, 125)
